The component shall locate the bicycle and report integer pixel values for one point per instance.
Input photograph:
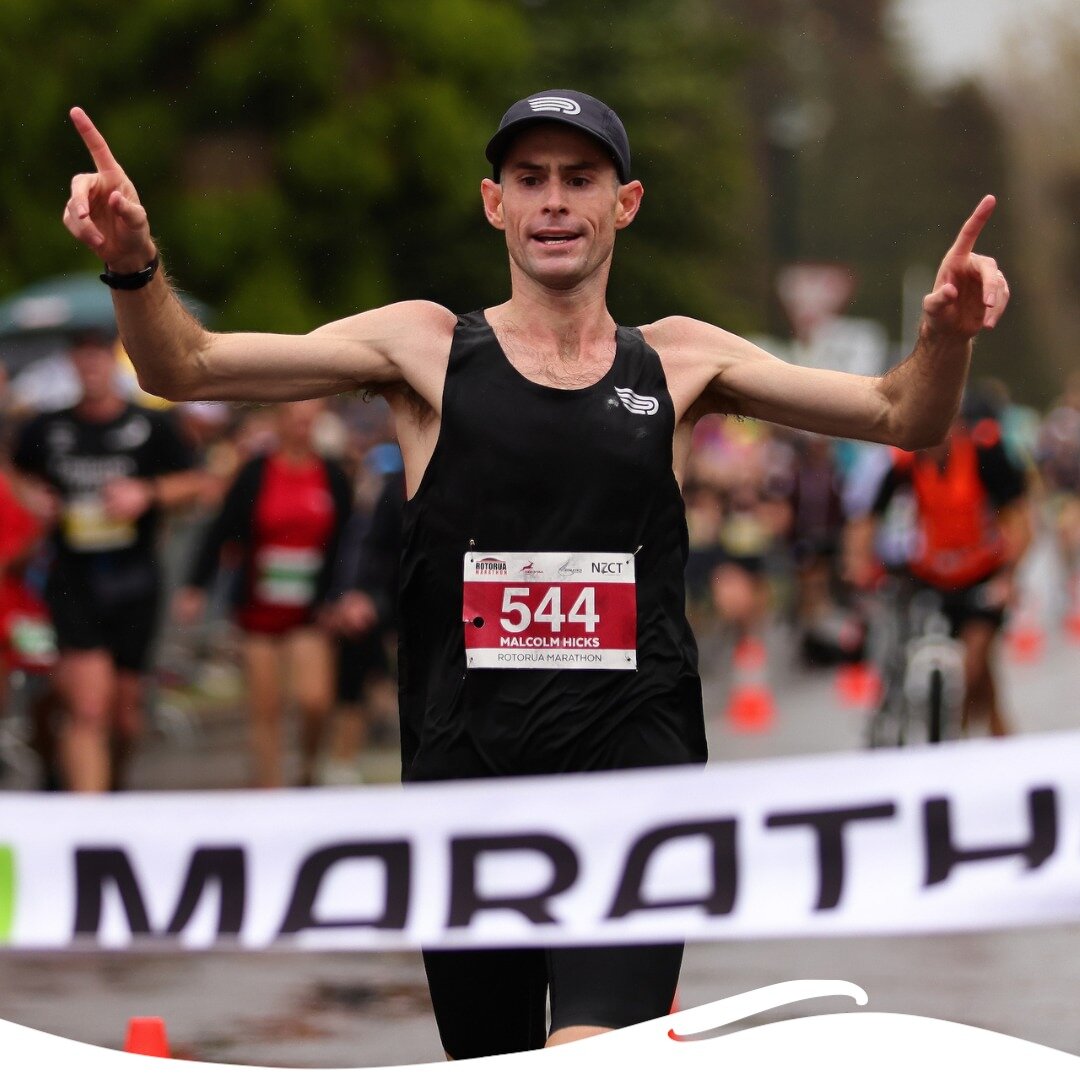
(921, 666)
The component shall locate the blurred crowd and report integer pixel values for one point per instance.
(267, 537)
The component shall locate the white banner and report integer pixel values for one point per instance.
(957, 837)
(698, 1044)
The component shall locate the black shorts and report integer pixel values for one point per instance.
(494, 1001)
(970, 604)
(93, 611)
(359, 658)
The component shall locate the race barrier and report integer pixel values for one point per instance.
(961, 836)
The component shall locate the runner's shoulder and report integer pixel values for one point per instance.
(413, 321)
(681, 333)
(685, 343)
(424, 314)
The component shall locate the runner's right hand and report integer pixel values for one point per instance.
(189, 605)
(104, 211)
(354, 614)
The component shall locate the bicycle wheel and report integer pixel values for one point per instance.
(884, 729)
(935, 706)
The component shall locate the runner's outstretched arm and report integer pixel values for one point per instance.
(910, 406)
(970, 294)
(177, 358)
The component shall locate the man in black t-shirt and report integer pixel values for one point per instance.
(99, 473)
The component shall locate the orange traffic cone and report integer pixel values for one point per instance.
(751, 706)
(858, 685)
(1072, 616)
(1025, 637)
(146, 1035)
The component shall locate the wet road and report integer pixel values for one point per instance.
(363, 1009)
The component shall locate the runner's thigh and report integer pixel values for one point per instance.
(311, 667)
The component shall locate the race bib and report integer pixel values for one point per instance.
(33, 641)
(286, 577)
(550, 609)
(87, 527)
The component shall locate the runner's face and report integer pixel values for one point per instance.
(296, 423)
(560, 204)
(95, 366)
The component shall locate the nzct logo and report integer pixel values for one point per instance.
(555, 104)
(638, 404)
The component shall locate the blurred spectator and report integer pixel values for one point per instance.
(829, 634)
(27, 639)
(364, 611)
(282, 517)
(991, 398)
(99, 474)
(737, 478)
(1058, 457)
(704, 515)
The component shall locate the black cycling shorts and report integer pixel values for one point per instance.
(971, 604)
(494, 1001)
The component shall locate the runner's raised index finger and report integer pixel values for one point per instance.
(965, 240)
(94, 141)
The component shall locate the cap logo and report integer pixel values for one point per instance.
(555, 104)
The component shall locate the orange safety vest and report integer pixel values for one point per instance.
(960, 542)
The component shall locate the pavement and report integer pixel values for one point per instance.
(338, 1010)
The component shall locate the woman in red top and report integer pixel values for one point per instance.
(283, 517)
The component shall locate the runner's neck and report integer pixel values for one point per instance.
(556, 339)
(100, 410)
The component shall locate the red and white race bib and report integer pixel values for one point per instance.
(559, 610)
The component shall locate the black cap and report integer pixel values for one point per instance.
(564, 107)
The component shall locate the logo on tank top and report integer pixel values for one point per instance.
(555, 104)
(638, 404)
(491, 566)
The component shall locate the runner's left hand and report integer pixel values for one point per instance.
(970, 292)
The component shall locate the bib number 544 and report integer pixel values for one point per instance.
(518, 615)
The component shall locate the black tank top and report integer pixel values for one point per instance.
(523, 467)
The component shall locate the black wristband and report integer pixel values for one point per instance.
(131, 281)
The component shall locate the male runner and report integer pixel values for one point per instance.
(106, 469)
(543, 450)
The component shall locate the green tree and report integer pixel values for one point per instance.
(672, 69)
(300, 159)
(866, 168)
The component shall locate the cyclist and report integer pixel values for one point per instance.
(972, 526)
